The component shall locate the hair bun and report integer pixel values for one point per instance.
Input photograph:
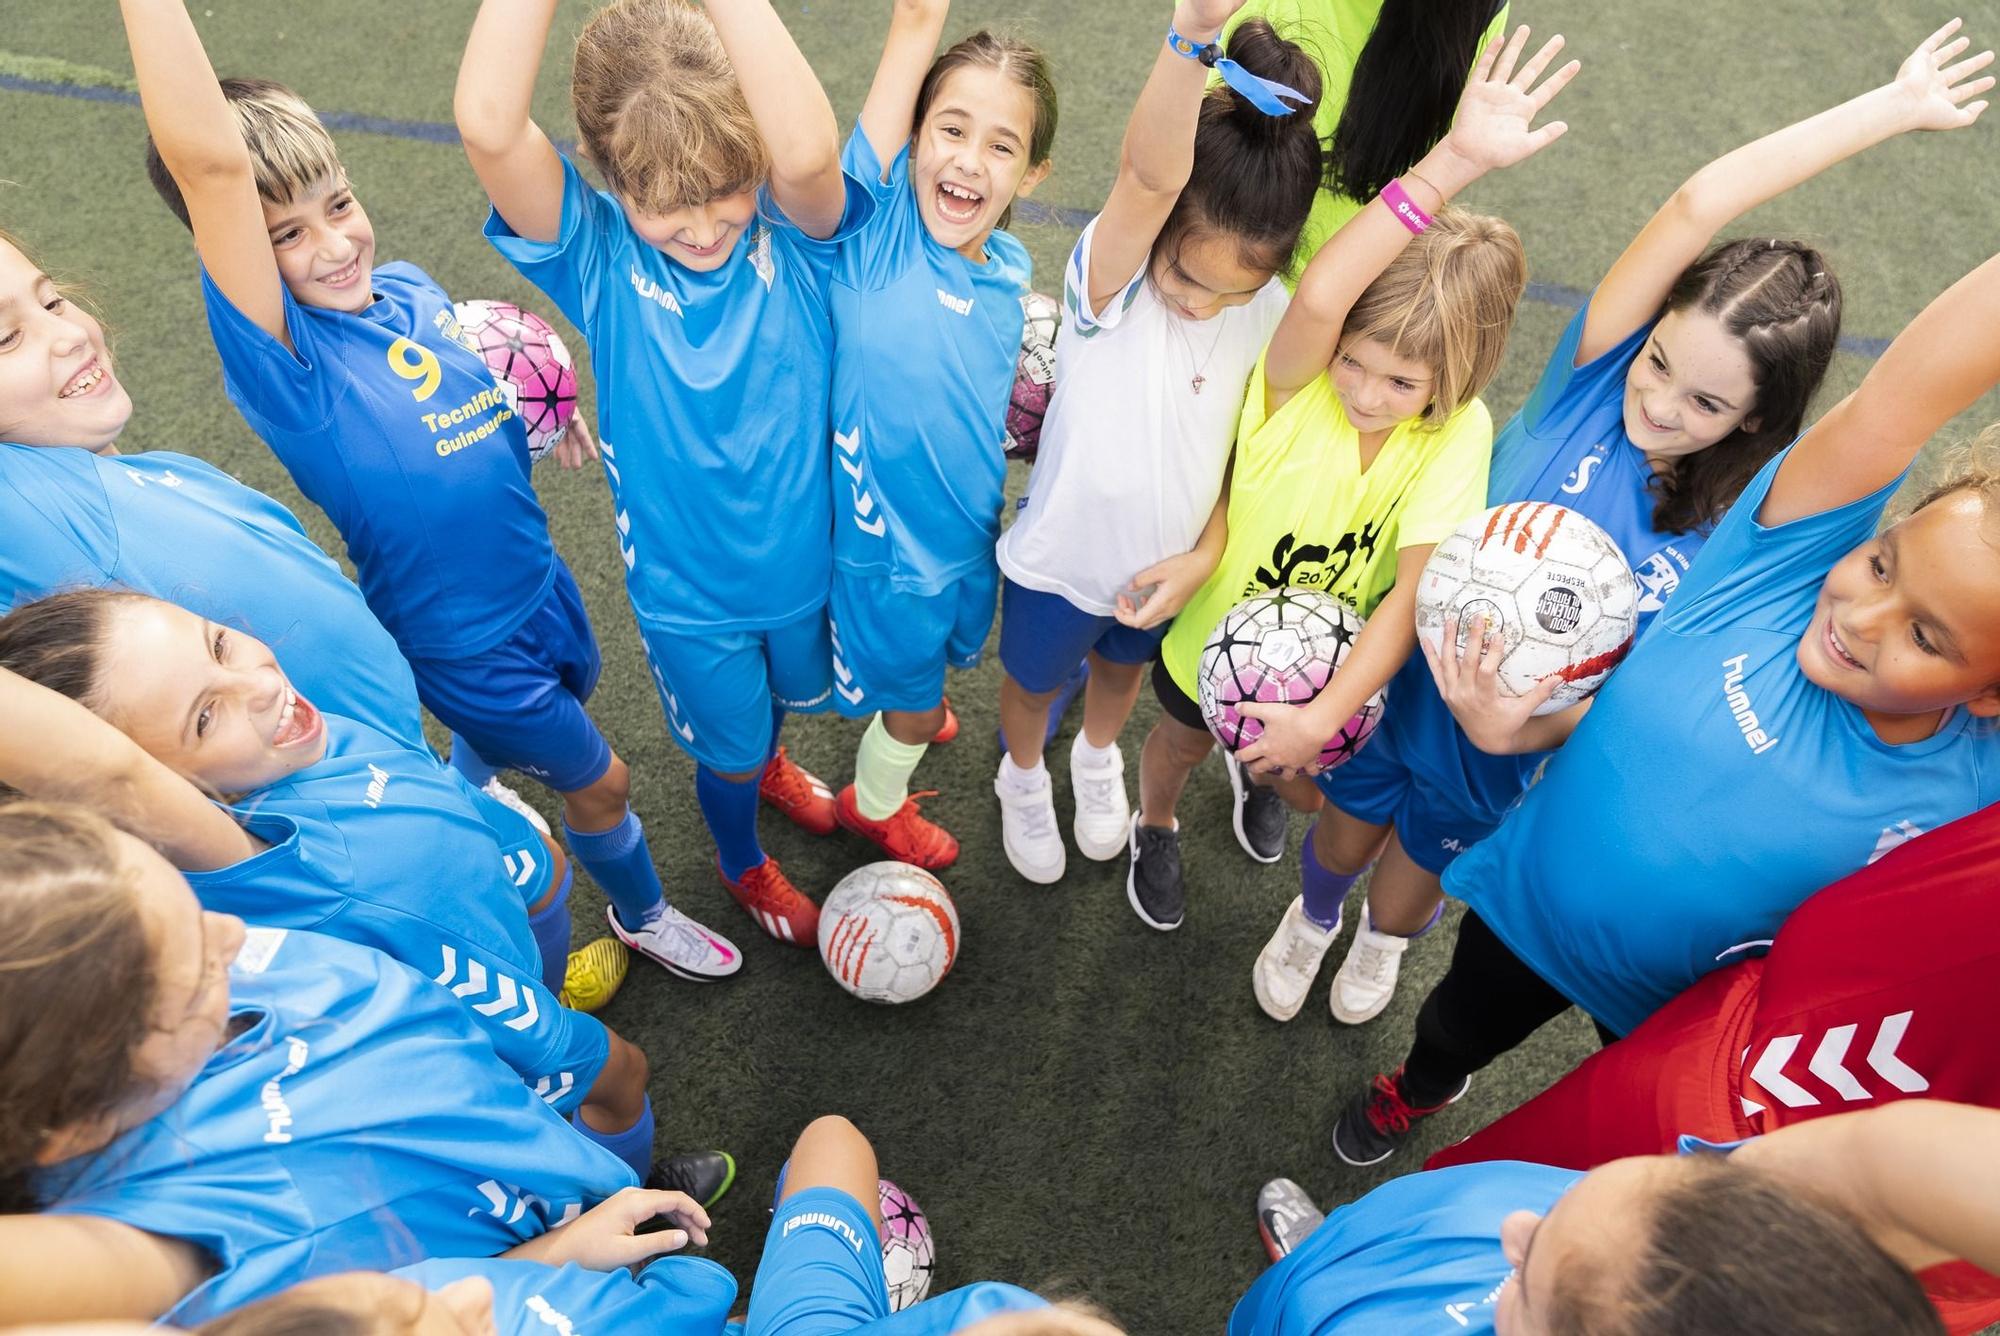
(1257, 47)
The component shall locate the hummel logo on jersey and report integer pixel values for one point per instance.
(276, 1112)
(1894, 837)
(961, 305)
(1738, 699)
(654, 293)
(552, 1319)
(378, 785)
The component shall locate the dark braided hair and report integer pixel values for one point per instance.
(1780, 300)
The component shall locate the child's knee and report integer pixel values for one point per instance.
(1344, 845)
(1187, 747)
(622, 1081)
(601, 804)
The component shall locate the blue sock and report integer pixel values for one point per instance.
(730, 809)
(551, 928)
(469, 763)
(634, 1145)
(1429, 923)
(1322, 887)
(622, 866)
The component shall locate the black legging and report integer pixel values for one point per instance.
(1487, 1003)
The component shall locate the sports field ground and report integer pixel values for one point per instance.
(1085, 1105)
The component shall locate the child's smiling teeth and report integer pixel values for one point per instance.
(957, 203)
(1839, 649)
(341, 277)
(84, 381)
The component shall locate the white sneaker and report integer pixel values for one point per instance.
(1103, 814)
(508, 798)
(680, 945)
(1290, 961)
(1367, 978)
(1028, 827)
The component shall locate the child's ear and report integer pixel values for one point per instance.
(1036, 175)
(1752, 424)
(1986, 705)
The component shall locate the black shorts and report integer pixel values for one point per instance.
(1180, 707)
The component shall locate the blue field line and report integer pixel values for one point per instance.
(1029, 211)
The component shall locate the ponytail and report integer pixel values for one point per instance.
(1405, 87)
(1254, 175)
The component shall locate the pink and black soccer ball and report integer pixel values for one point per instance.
(529, 363)
(908, 1255)
(1034, 375)
(1283, 646)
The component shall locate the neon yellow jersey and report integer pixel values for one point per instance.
(1302, 512)
(1332, 33)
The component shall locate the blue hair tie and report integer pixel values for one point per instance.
(1267, 95)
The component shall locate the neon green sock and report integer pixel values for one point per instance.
(882, 770)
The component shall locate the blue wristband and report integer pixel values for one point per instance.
(1264, 94)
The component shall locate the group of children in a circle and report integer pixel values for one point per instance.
(804, 355)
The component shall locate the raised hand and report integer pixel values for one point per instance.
(1205, 15)
(1494, 126)
(1935, 81)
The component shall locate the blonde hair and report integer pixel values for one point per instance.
(659, 110)
(1972, 467)
(1448, 301)
(291, 154)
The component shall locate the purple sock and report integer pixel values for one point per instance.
(1322, 887)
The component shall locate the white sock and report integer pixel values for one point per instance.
(1081, 750)
(1023, 781)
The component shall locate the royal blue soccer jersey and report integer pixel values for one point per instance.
(1712, 787)
(1566, 445)
(177, 528)
(356, 1119)
(381, 844)
(711, 395)
(1420, 1254)
(925, 345)
(398, 432)
(675, 1296)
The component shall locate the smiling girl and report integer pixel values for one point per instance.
(927, 321)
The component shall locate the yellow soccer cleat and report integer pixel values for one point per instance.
(591, 978)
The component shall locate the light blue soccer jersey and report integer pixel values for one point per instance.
(177, 528)
(1566, 445)
(1712, 787)
(399, 433)
(712, 393)
(675, 1296)
(359, 1121)
(382, 845)
(925, 345)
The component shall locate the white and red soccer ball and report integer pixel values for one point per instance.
(1283, 647)
(529, 363)
(1034, 375)
(888, 932)
(908, 1254)
(1551, 584)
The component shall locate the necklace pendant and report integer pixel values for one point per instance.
(1198, 382)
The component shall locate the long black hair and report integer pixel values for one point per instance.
(1405, 87)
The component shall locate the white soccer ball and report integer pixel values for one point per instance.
(1552, 584)
(888, 932)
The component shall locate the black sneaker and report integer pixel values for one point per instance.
(1260, 815)
(1285, 1216)
(1154, 885)
(1379, 1119)
(703, 1174)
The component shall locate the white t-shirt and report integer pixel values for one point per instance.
(1132, 455)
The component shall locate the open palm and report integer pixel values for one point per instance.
(1939, 85)
(1495, 122)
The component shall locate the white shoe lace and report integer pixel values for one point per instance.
(1036, 815)
(1374, 963)
(1095, 797)
(678, 938)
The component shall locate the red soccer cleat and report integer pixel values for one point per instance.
(798, 793)
(906, 836)
(949, 728)
(780, 908)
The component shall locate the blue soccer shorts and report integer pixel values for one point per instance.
(1043, 637)
(822, 1268)
(890, 650)
(520, 704)
(1376, 786)
(720, 689)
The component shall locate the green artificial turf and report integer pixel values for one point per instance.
(1085, 1104)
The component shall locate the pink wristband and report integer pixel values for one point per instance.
(1406, 210)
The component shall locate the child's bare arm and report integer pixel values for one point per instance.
(1493, 130)
(1942, 361)
(1930, 92)
(198, 139)
(55, 748)
(888, 116)
(791, 112)
(520, 169)
(72, 1268)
